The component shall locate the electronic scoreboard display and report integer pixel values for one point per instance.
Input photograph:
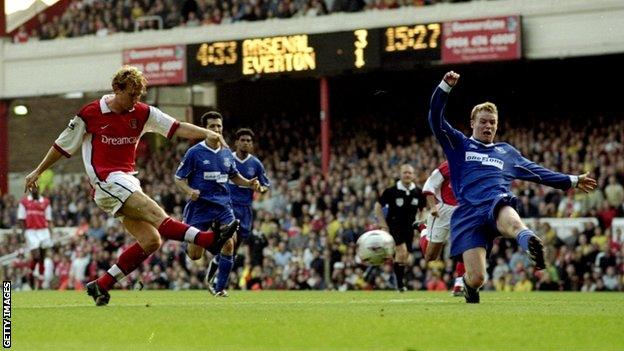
(314, 54)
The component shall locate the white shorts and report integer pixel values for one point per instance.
(38, 238)
(113, 193)
(439, 228)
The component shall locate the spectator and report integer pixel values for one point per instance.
(614, 193)
(21, 36)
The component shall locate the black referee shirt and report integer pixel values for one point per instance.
(403, 204)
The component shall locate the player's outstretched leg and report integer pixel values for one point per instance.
(532, 245)
(128, 261)
(211, 240)
(101, 297)
(223, 234)
(536, 252)
(510, 225)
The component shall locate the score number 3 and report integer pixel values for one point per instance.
(360, 44)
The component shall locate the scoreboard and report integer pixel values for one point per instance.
(314, 54)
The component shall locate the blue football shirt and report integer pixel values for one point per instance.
(250, 167)
(208, 170)
(483, 172)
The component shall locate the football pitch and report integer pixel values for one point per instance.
(278, 320)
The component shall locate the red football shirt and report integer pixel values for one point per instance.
(109, 140)
(439, 184)
(35, 213)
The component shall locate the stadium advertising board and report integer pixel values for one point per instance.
(487, 39)
(314, 54)
(162, 65)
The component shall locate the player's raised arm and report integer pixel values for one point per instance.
(449, 137)
(528, 170)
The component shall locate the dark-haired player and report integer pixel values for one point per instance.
(203, 175)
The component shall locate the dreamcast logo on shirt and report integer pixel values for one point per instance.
(119, 140)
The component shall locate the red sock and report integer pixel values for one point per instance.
(170, 229)
(106, 281)
(460, 269)
(128, 261)
(423, 244)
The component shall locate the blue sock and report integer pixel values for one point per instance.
(523, 238)
(225, 266)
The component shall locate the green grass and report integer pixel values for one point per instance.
(269, 320)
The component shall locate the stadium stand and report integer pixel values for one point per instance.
(106, 17)
(309, 224)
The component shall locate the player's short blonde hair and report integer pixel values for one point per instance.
(129, 77)
(486, 106)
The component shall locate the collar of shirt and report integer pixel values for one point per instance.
(239, 160)
(400, 186)
(203, 143)
(482, 143)
(104, 106)
(30, 198)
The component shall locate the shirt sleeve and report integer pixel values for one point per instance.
(384, 199)
(262, 177)
(161, 123)
(450, 138)
(232, 170)
(21, 211)
(434, 183)
(71, 138)
(187, 165)
(528, 170)
(422, 200)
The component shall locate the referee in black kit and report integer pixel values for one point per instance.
(404, 200)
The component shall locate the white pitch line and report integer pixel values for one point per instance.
(352, 302)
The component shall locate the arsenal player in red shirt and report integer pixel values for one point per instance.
(108, 130)
(35, 218)
(441, 203)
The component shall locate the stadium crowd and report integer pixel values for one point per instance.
(305, 228)
(106, 17)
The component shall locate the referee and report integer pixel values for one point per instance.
(404, 200)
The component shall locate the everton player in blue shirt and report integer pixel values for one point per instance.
(249, 167)
(203, 175)
(481, 176)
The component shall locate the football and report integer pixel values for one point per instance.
(375, 247)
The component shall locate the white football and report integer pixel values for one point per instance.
(375, 247)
